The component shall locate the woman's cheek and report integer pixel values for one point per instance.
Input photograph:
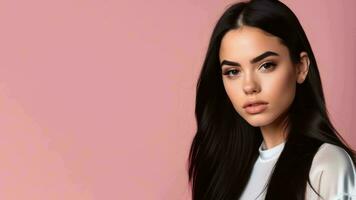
(235, 95)
(282, 90)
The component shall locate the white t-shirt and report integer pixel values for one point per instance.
(332, 174)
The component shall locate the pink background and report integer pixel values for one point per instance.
(97, 97)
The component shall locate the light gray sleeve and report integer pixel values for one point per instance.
(332, 175)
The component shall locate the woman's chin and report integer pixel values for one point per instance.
(258, 121)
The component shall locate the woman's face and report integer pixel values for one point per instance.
(256, 75)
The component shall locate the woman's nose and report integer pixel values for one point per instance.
(250, 84)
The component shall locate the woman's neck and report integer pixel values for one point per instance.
(275, 133)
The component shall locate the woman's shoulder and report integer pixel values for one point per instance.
(333, 172)
(330, 156)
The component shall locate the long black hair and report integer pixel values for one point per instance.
(225, 147)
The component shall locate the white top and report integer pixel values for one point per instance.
(332, 174)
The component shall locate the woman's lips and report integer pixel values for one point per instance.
(256, 108)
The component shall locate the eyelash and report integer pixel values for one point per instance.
(272, 64)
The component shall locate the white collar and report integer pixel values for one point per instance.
(271, 153)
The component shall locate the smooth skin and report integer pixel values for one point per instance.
(272, 79)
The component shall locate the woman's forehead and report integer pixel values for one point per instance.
(248, 42)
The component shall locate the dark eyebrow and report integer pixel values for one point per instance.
(258, 58)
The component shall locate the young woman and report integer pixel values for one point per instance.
(263, 130)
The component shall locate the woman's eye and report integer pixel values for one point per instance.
(234, 72)
(231, 72)
(268, 65)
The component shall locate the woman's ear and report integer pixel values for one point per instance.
(303, 67)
